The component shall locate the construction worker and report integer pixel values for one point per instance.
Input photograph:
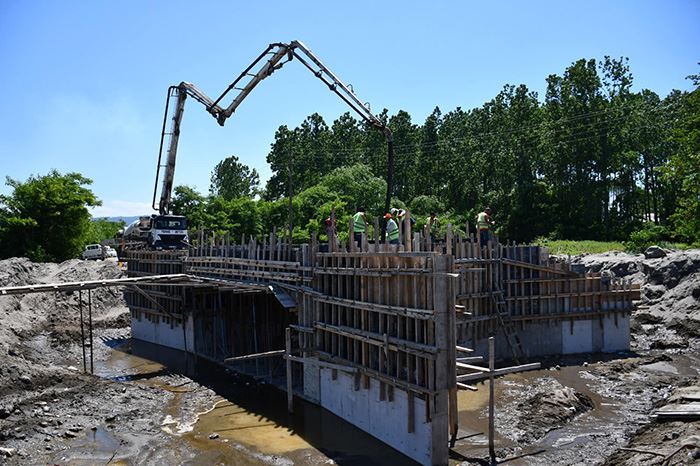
(432, 224)
(484, 222)
(401, 216)
(392, 229)
(359, 222)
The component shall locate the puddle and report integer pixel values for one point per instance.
(250, 421)
(234, 423)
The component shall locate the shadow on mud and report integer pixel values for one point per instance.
(337, 439)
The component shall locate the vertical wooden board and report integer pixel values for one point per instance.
(376, 247)
(411, 408)
(365, 319)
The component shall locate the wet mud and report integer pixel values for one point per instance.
(620, 393)
(208, 417)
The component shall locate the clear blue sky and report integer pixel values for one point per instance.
(84, 82)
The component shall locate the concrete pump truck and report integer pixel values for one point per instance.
(166, 231)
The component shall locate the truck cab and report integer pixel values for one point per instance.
(168, 232)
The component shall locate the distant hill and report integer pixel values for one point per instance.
(126, 220)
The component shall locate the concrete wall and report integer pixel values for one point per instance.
(607, 334)
(577, 337)
(161, 333)
(616, 333)
(312, 382)
(385, 420)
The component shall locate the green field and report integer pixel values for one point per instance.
(579, 247)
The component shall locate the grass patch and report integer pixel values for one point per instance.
(579, 247)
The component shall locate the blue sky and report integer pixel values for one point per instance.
(84, 83)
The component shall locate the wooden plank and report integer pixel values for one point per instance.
(471, 359)
(498, 372)
(464, 386)
(394, 344)
(492, 399)
(526, 265)
(288, 350)
(462, 365)
(248, 357)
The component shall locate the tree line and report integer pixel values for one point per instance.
(591, 160)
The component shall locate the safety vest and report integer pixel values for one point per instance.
(359, 223)
(392, 229)
(482, 222)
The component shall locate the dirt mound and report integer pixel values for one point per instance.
(670, 293)
(548, 410)
(36, 325)
(19, 271)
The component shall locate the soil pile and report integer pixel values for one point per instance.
(546, 411)
(55, 314)
(533, 409)
(38, 336)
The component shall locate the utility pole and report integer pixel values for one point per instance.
(389, 176)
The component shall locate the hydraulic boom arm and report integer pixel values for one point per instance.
(279, 54)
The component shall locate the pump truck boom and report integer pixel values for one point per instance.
(277, 54)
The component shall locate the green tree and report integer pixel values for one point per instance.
(357, 187)
(101, 229)
(189, 202)
(46, 218)
(683, 169)
(231, 179)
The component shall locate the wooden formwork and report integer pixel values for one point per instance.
(228, 319)
(155, 302)
(516, 282)
(520, 284)
(389, 316)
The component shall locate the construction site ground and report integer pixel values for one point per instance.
(588, 409)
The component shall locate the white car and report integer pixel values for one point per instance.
(94, 252)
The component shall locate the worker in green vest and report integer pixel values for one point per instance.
(484, 222)
(392, 229)
(359, 222)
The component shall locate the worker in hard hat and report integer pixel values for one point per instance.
(392, 229)
(359, 222)
(401, 216)
(484, 222)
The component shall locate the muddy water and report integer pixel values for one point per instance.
(249, 421)
(589, 438)
(509, 391)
